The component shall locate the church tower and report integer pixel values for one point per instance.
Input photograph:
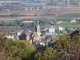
(37, 28)
(36, 34)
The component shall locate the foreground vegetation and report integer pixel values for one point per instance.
(15, 50)
(66, 48)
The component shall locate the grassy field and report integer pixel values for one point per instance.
(68, 15)
(8, 28)
(70, 25)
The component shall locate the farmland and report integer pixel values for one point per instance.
(44, 13)
(51, 13)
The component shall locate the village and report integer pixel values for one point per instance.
(41, 37)
(39, 29)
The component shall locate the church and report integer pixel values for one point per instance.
(36, 34)
(32, 36)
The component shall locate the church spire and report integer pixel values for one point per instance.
(36, 35)
(37, 23)
(37, 28)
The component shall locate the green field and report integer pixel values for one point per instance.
(68, 15)
(73, 25)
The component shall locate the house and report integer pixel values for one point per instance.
(51, 31)
(73, 21)
(61, 28)
(10, 36)
(58, 22)
(39, 43)
(19, 32)
(27, 22)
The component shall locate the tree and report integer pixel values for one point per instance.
(15, 15)
(15, 50)
(38, 56)
(2, 23)
(50, 52)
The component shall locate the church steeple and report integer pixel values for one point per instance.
(37, 28)
(37, 23)
(36, 35)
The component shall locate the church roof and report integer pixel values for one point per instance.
(35, 34)
(28, 34)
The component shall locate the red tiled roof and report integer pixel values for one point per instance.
(20, 30)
